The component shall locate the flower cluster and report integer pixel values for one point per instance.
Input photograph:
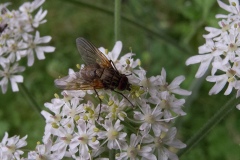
(221, 50)
(73, 128)
(10, 147)
(20, 38)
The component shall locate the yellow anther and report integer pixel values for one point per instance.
(69, 125)
(76, 118)
(56, 95)
(85, 118)
(111, 102)
(106, 51)
(55, 125)
(94, 139)
(128, 61)
(233, 4)
(78, 66)
(101, 97)
(95, 129)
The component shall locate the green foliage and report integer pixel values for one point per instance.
(182, 20)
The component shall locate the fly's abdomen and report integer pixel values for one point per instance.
(110, 78)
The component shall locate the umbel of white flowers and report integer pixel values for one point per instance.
(72, 128)
(85, 137)
(221, 51)
(19, 38)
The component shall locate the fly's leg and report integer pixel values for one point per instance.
(113, 65)
(100, 103)
(124, 97)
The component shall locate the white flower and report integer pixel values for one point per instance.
(10, 147)
(125, 63)
(204, 59)
(34, 44)
(38, 19)
(238, 106)
(116, 108)
(162, 142)
(136, 151)
(3, 60)
(213, 32)
(15, 49)
(43, 151)
(171, 105)
(29, 7)
(115, 138)
(173, 87)
(221, 80)
(151, 84)
(53, 121)
(85, 138)
(232, 8)
(114, 54)
(151, 119)
(230, 47)
(59, 147)
(8, 73)
(72, 109)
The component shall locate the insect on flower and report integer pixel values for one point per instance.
(98, 73)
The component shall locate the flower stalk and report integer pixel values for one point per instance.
(30, 99)
(112, 154)
(117, 19)
(221, 113)
(159, 34)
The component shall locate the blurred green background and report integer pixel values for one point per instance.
(178, 26)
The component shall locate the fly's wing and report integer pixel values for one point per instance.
(90, 54)
(2, 25)
(76, 82)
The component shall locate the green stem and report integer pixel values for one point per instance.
(30, 99)
(222, 112)
(117, 18)
(112, 154)
(160, 33)
(129, 126)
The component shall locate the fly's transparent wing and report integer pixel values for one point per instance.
(76, 82)
(90, 54)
